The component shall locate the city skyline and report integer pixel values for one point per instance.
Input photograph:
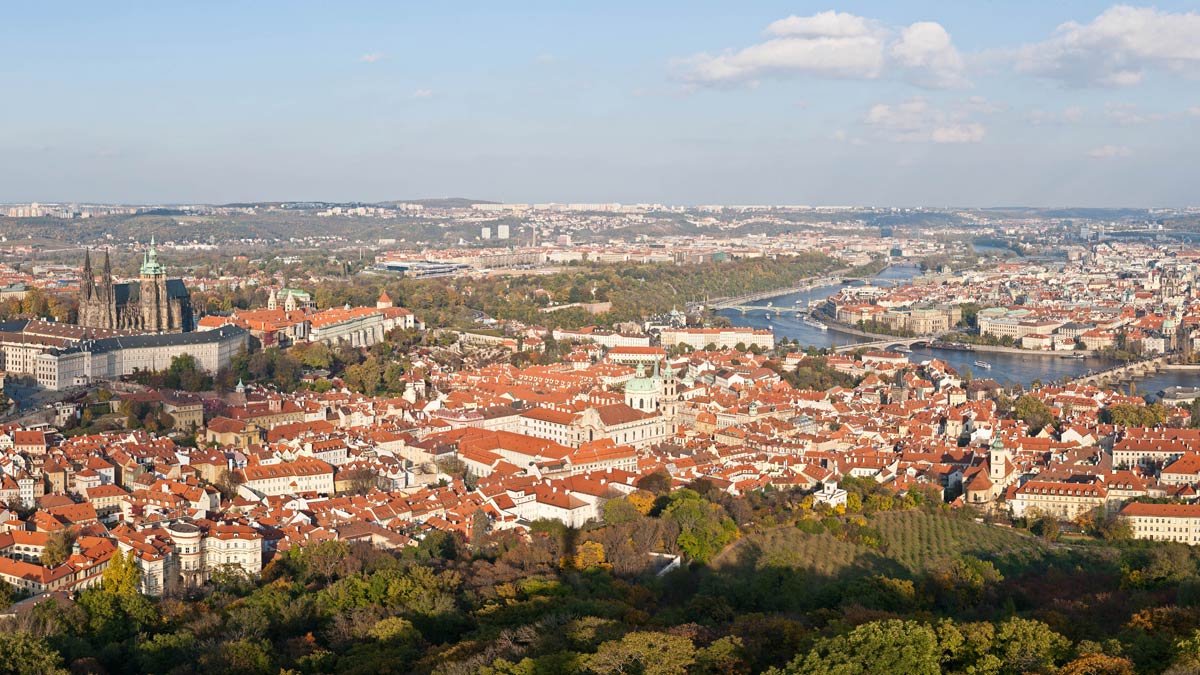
(920, 104)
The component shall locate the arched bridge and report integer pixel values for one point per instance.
(885, 344)
(1126, 372)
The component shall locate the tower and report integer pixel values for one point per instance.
(107, 297)
(998, 460)
(155, 314)
(87, 288)
(669, 400)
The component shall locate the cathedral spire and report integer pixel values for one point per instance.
(87, 278)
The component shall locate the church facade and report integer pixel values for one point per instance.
(152, 304)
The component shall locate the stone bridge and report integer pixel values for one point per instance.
(1126, 372)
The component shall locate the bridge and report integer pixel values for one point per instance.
(1126, 372)
(884, 344)
(797, 310)
(740, 301)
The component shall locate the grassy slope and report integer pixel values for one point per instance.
(911, 542)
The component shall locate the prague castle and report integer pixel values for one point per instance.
(153, 304)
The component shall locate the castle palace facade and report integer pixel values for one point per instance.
(152, 304)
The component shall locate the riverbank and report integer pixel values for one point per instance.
(998, 349)
(802, 285)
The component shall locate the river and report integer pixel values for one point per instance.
(1006, 368)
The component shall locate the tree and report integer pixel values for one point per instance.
(619, 510)
(964, 582)
(362, 480)
(725, 656)
(891, 647)
(122, 578)
(1047, 527)
(1025, 645)
(590, 554)
(1033, 411)
(704, 529)
(657, 483)
(1098, 664)
(24, 654)
(481, 526)
(644, 652)
(58, 547)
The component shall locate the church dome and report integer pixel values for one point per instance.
(640, 383)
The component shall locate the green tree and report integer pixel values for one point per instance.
(644, 652)
(24, 654)
(1033, 411)
(1028, 646)
(58, 547)
(704, 529)
(890, 647)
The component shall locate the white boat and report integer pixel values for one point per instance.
(984, 364)
(809, 321)
(903, 349)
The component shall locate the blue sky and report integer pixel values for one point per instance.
(885, 103)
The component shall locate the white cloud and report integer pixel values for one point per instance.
(1110, 151)
(423, 93)
(1194, 111)
(1117, 48)
(372, 58)
(927, 53)
(834, 45)
(915, 121)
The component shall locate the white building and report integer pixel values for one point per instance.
(1164, 522)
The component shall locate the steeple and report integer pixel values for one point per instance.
(150, 266)
(87, 280)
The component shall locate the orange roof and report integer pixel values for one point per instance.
(1162, 510)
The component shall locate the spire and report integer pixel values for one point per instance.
(87, 263)
(150, 266)
(107, 266)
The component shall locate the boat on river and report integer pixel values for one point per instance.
(983, 364)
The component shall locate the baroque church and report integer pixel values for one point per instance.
(152, 304)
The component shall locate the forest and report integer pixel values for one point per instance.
(769, 583)
(636, 291)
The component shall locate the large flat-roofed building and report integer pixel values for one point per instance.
(61, 356)
(722, 338)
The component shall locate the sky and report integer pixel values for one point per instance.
(915, 103)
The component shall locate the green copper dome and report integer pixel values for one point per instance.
(150, 264)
